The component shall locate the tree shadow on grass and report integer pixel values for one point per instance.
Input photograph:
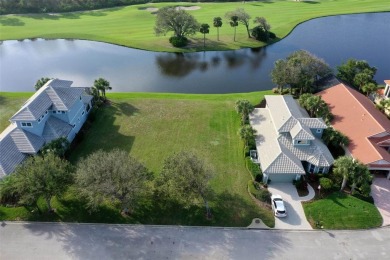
(11, 21)
(125, 108)
(103, 133)
(227, 210)
(337, 198)
(151, 242)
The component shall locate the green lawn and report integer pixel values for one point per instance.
(151, 127)
(342, 211)
(133, 25)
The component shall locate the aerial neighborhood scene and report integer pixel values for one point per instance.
(194, 130)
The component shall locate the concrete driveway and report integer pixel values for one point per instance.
(296, 218)
(380, 191)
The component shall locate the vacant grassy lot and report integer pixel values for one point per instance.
(133, 25)
(342, 211)
(151, 127)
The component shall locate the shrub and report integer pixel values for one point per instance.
(259, 177)
(178, 41)
(301, 184)
(271, 35)
(260, 34)
(275, 90)
(253, 168)
(368, 199)
(326, 183)
(264, 195)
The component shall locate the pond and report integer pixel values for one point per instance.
(335, 39)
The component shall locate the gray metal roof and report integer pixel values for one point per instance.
(275, 126)
(56, 94)
(55, 128)
(10, 154)
(26, 142)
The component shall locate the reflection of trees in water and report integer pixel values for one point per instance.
(181, 65)
(254, 58)
(177, 64)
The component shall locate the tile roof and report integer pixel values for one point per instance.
(26, 142)
(387, 81)
(277, 154)
(301, 132)
(356, 116)
(55, 128)
(313, 123)
(10, 154)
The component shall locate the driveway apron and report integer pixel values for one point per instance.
(380, 191)
(296, 218)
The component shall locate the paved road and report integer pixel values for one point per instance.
(296, 218)
(88, 241)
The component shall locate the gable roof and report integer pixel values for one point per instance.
(356, 116)
(26, 142)
(301, 132)
(10, 154)
(56, 94)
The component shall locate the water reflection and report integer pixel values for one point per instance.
(23, 62)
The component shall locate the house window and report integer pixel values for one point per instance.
(27, 124)
(302, 142)
(321, 170)
(80, 97)
(83, 113)
(63, 112)
(39, 120)
(319, 131)
(46, 112)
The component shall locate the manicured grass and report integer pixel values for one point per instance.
(342, 211)
(10, 103)
(151, 127)
(133, 25)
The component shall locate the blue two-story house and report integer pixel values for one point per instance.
(55, 110)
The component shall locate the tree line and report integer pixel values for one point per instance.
(107, 178)
(183, 24)
(44, 6)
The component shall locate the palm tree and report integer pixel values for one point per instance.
(343, 166)
(234, 23)
(102, 85)
(204, 28)
(217, 23)
(244, 108)
(369, 88)
(360, 176)
(247, 133)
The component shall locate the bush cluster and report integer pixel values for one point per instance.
(178, 41)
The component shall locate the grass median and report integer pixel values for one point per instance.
(132, 26)
(151, 127)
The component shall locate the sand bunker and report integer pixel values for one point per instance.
(151, 9)
(186, 8)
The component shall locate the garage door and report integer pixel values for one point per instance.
(281, 177)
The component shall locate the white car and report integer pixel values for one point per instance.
(278, 206)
